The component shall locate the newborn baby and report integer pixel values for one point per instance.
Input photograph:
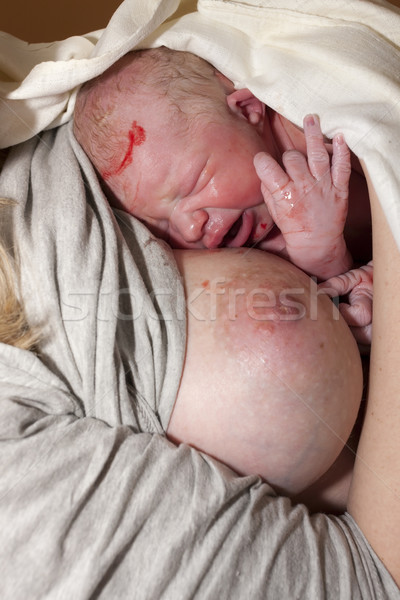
(174, 144)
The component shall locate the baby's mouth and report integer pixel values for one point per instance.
(239, 232)
(233, 231)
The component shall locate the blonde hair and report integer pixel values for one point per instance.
(14, 327)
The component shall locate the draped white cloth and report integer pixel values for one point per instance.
(340, 60)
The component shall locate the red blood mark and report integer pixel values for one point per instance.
(136, 137)
(263, 225)
(205, 283)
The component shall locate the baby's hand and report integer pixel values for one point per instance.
(357, 312)
(308, 201)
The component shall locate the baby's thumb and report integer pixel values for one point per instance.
(261, 164)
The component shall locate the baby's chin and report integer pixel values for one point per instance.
(272, 370)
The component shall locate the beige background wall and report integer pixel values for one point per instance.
(50, 20)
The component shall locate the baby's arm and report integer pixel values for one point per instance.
(308, 201)
(357, 311)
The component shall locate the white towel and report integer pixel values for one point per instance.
(339, 60)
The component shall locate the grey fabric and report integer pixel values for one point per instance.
(94, 501)
(110, 303)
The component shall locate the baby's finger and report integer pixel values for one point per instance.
(296, 167)
(339, 285)
(359, 312)
(317, 154)
(341, 165)
(270, 172)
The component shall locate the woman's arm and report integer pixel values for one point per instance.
(374, 500)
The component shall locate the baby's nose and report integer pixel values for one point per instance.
(190, 224)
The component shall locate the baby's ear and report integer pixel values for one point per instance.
(243, 102)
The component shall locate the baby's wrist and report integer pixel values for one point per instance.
(323, 263)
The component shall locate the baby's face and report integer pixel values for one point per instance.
(195, 187)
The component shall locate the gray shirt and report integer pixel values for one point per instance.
(94, 501)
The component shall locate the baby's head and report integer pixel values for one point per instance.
(174, 144)
(272, 381)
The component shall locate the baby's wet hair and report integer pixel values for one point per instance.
(189, 84)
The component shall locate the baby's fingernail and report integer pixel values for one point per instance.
(309, 120)
(339, 139)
